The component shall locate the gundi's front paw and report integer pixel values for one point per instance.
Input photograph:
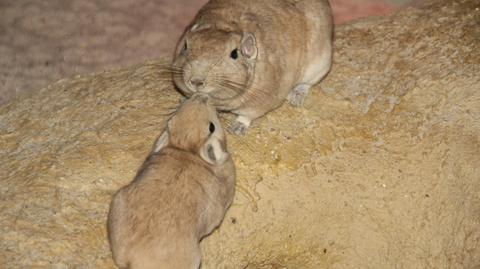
(240, 125)
(238, 128)
(297, 95)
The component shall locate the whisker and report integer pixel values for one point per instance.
(256, 95)
(228, 86)
(252, 94)
(169, 65)
(224, 76)
(244, 94)
(232, 82)
(168, 72)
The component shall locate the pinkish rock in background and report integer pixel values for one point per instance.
(43, 41)
(347, 10)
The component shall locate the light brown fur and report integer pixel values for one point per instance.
(284, 47)
(179, 195)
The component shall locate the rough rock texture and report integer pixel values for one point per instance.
(381, 169)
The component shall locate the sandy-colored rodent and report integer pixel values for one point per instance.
(179, 195)
(251, 55)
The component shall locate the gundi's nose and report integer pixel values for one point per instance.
(197, 83)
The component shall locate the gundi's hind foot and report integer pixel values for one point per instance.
(240, 125)
(297, 95)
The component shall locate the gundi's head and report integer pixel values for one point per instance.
(215, 60)
(195, 128)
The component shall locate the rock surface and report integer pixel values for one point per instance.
(381, 169)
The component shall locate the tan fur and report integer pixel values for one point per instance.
(179, 195)
(293, 39)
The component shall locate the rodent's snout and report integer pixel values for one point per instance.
(197, 83)
(196, 75)
(194, 82)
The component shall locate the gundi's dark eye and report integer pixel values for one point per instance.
(234, 54)
(211, 128)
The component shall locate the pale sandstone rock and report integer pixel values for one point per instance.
(381, 169)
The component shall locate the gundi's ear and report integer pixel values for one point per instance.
(212, 152)
(194, 27)
(162, 142)
(249, 46)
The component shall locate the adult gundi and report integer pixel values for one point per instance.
(250, 56)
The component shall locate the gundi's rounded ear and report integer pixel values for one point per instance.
(194, 27)
(183, 44)
(162, 141)
(213, 152)
(249, 46)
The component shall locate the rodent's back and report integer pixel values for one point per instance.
(271, 21)
(287, 33)
(161, 209)
(169, 189)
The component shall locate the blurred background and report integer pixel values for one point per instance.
(43, 41)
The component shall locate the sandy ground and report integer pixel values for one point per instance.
(43, 41)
